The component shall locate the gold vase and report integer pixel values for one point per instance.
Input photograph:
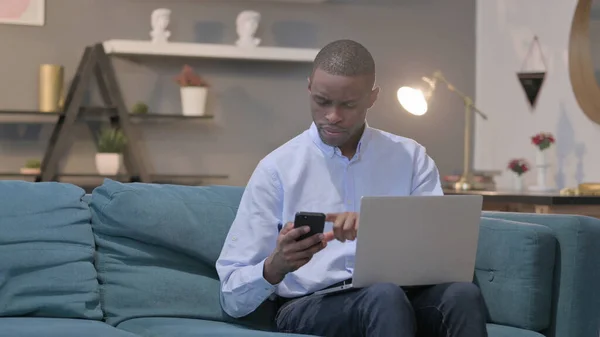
(51, 87)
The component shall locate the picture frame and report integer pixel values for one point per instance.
(23, 12)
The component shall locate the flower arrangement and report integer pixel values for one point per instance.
(542, 140)
(518, 166)
(188, 78)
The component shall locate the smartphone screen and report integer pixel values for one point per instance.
(316, 222)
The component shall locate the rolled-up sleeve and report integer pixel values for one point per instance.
(251, 239)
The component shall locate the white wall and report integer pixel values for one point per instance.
(505, 29)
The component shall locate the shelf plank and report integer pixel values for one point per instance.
(206, 50)
(91, 113)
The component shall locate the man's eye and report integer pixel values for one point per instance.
(350, 105)
(323, 102)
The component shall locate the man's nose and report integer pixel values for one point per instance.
(333, 114)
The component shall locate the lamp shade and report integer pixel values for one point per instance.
(412, 100)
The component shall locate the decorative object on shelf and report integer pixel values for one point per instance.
(519, 167)
(160, 21)
(51, 87)
(584, 189)
(23, 12)
(246, 26)
(193, 92)
(416, 101)
(532, 80)
(542, 141)
(111, 143)
(140, 108)
(32, 167)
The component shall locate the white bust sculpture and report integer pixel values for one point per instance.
(160, 20)
(247, 24)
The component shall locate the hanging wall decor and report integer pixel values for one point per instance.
(22, 12)
(532, 80)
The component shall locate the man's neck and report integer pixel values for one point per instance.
(350, 147)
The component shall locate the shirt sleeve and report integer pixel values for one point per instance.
(251, 239)
(426, 177)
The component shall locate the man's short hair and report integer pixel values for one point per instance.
(345, 58)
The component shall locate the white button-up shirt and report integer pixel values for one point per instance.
(305, 174)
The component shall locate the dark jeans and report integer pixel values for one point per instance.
(386, 310)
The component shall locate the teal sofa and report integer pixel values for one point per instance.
(137, 260)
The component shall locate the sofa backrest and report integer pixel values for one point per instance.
(576, 282)
(156, 250)
(46, 252)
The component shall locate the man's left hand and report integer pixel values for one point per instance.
(345, 226)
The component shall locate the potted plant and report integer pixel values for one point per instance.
(519, 167)
(193, 92)
(111, 143)
(140, 108)
(32, 166)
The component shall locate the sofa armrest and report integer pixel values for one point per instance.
(576, 294)
(514, 269)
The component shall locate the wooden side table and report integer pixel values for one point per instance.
(536, 202)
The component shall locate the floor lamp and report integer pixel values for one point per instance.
(416, 102)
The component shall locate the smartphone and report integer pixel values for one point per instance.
(316, 222)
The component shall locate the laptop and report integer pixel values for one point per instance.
(415, 241)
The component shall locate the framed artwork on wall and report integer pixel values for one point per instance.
(22, 12)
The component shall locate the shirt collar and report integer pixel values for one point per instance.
(330, 151)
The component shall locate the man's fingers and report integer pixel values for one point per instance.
(331, 217)
(308, 242)
(348, 227)
(307, 253)
(338, 227)
(287, 228)
(294, 234)
(328, 236)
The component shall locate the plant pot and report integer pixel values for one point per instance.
(30, 171)
(108, 163)
(193, 100)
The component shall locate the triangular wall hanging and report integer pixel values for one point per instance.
(532, 80)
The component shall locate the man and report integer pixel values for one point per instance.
(327, 169)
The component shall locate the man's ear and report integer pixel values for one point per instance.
(309, 83)
(373, 96)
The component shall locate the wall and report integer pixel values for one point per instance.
(504, 31)
(258, 105)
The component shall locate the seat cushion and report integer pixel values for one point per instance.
(514, 270)
(46, 252)
(184, 327)
(495, 330)
(57, 327)
(157, 249)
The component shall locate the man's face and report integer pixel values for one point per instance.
(339, 105)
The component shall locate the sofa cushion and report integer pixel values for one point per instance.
(576, 300)
(514, 269)
(157, 248)
(57, 327)
(182, 327)
(495, 330)
(46, 252)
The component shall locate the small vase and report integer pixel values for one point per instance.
(108, 163)
(518, 183)
(542, 166)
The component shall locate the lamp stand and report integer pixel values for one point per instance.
(466, 181)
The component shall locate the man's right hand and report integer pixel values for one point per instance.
(289, 254)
